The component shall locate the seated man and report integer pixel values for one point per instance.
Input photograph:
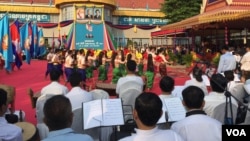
(197, 126)
(130, 77)
(58, 117)
(148, 110)
(217, 97)
(54, 88)
(77, 95)
(8, 132)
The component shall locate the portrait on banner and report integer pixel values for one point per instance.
(80, 13)
(98, 14)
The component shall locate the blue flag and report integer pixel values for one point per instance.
(5, 42)
(25, 41)
(34, 43)
(41, 44)
(15, 38)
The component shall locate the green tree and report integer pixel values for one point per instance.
(177, 10)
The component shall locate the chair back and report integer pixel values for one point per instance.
(11, 93)
(219, 112)
(77, 124)
(99, 94)
(130, 90)
(239, 92)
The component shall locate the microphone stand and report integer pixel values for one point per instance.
(229, 101)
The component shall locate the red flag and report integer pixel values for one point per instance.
(15, 37)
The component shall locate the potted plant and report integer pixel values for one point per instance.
(188, 59)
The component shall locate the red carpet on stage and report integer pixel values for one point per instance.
(33, 76)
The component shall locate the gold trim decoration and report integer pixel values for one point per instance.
(90, 5)
(29, 9)
(136, 13)
(244, 15)
(109, 2)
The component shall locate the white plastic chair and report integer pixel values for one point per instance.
(219, 112)
(238, 92)
(99, 94)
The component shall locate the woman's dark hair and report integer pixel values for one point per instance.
(150, 64)
(197, 74)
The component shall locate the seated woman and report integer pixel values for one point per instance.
(196, 80)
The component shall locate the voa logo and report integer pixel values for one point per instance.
(236, 132)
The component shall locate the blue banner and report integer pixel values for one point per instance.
(28, 17)
(141, 21)
(41, 44)
(5, 40)
(89, 35)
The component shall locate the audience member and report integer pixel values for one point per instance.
(216, 96)
(148, 110)
(77, 95)
(235, 88)
(197, 80)
(131, 76)
(58, 117)
(8, 132)
(245, 61)
(166, 86)
(54, 88)
(197, 126)
(227, 61)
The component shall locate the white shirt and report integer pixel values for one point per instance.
(128, 78)
(77, 96)
(198, 127)
(194, 82)
(245, 61)
(213, 99)
(54, 88)
(9, 132)
(154, 134)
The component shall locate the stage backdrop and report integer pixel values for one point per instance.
(89, 27)
(89, 35)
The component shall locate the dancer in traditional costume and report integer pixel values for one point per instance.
(81, 65)
(140, 65)
(116, 70)
(89, 59)
(149, 74)
(122, 66)
(69, 65)
(162, 62)
(49, 62)
(102, 73)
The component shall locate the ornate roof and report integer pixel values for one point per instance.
(219, 11)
